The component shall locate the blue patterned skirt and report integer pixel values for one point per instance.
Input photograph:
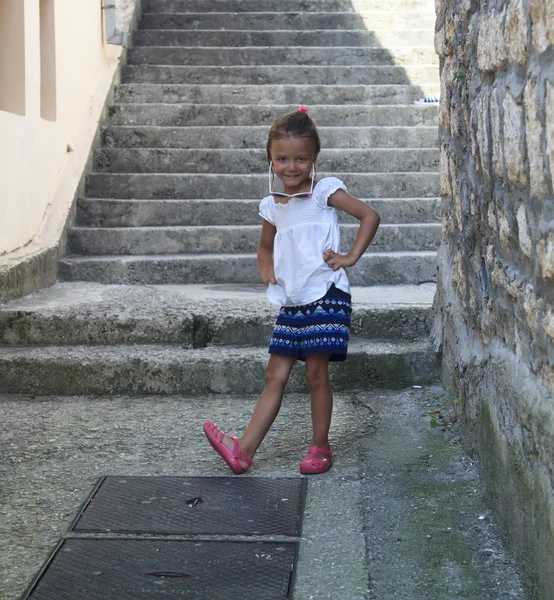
(321, 327)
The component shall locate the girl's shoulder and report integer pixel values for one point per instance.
(266, 209)
(326, 187)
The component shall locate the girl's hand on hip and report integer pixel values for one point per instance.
(268, 276)
(336, 261)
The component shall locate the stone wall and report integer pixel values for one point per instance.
(495, 299)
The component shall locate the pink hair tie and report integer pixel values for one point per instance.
(302, 108)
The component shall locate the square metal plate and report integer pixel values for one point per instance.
(194, 505)
(124, 569)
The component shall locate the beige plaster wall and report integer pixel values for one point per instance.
(33, 149)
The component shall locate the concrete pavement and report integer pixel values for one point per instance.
(402, 513)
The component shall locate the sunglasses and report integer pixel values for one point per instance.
(282, 195)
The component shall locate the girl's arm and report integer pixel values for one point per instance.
(265, 253)
(369, 222)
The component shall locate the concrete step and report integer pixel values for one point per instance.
(232, 137)
(167, 369)
(385, 37)
(379, 268)
(281, 74)
(281, 55)
(140, 93)
(267, 21)
(209, 115)
(193, 316)
(231, 239)
(201, 186)
(198, 160)
(98, 212)
(183, 6)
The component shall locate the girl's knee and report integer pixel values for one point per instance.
(278, 372)
(317, 372)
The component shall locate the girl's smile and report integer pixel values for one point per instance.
(292, 162)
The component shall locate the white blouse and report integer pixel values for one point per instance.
(306, 227)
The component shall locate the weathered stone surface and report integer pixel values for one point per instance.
(549, 109)
(516, 32)
(548, 323)
(243, 136)
(497, 149)
(229, 239)
(535, 153)
(542, 19)
(445, 179)
(177, 160)
(523, 231)
(192, 316)
(271, 37)
(96, 212)
(209, 186)
(378, 268)
(514, 141)
(446, 86)
(287, 21)
(491, 218)
(167, 369)
(531, 305)
(545, 249)
(280, 55)
(186, 93)
(280, 74)
(225, 115)
(496, 269)
(492, 52)
(483, 136)
(505, 231)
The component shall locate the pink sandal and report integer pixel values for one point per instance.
(231, 457)
(313, 463)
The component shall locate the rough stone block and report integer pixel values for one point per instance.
(532, 306)
(547, 377)
(516, 32)
(492, 52)
(447, 74)
(499, 277)
(440, 42)
(542, 19)
(535, 154)
(550, 126)
(458, 210)
(523, 231)
(505, 231)
(514, 141)
(444, 170)
(545, 249)
(548, 323)
(483, 140)
(491, 218)
(497, 149)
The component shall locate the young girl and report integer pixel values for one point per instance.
(300, 261)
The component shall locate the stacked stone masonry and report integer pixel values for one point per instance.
(496, 262)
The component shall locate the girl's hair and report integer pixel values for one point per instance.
(294, 124)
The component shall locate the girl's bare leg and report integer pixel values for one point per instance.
(276, 377)
(317, 378)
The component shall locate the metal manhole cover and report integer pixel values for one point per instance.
(115, 569)
(194, 505)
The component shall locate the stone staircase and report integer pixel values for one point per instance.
(160, 291)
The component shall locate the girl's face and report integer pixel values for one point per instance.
(292, 159)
